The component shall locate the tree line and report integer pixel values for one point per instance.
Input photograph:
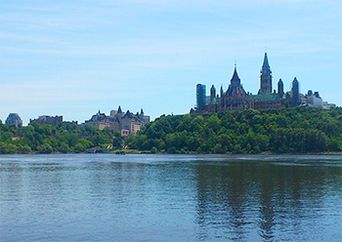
(64, 138)
(295, 130)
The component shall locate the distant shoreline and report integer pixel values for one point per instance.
(135, 152)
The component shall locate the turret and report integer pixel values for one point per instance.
(316, 94)
(119, 110)
(212, 93)
(295, 98)
(221, 91)
(280, 88)
(266, 77)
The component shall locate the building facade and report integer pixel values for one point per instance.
(125, 123)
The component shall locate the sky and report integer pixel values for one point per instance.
(75, 57)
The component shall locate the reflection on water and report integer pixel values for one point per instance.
(170, 198)
(272, 200)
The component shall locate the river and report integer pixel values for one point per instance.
(107, 197)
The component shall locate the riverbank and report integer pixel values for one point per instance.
(146, 152)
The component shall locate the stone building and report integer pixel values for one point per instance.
(236, 98)
(14, 119)
(125, 123)
(45, 119)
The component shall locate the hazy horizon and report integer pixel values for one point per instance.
(73, 58)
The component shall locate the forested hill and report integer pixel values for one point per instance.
(64, 138)
(299, 130)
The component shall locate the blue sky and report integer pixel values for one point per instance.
(74, 57)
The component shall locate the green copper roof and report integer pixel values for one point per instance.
(235, 81)
(266, 66)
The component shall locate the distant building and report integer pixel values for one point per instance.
(125, 123)
(313, 99)
(327, 105)
(236, 98)
(14, 119)
(56, 120)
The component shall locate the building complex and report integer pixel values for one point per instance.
(236, 98)
(126, 123)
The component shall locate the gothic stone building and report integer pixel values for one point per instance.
(125, 123)
(236, 98)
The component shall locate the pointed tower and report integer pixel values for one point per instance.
(119, 109)
(119, 113)
(235, 87)
(266, 77)
(280, 88)
(221, 91)
(212, 93)
(236, 97)
(142, 113)
(295, 98)
(235, 81)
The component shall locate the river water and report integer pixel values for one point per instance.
(105, 197)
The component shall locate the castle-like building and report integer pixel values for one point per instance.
(236, 98)
(14, 119)
(126, 123)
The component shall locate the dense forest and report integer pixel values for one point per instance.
(297, 130)
(64, 138)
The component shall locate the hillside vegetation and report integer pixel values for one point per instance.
(64, 138)
(299, 130)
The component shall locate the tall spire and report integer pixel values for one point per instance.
(235, 88)
(119, 109)
(265, 65)
(235, 81)
(266, 77)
